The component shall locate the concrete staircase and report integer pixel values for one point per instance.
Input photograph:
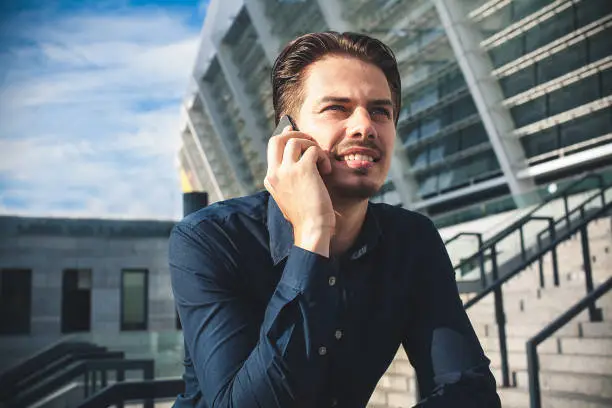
(575, 364)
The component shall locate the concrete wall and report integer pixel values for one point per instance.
(106, 248)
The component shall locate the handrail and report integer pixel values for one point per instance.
(45, 357)
(496, 286)
(579, 208)
(533, 366)
(84, 368)
(47, 372)
(120, 392)
(541, 252)
(518, 225)
(521, 221)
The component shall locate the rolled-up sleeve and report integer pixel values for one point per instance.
(240, 361)
(451, 367)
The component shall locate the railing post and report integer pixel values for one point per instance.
(148, 374)
(120, 378)
(541, 262)
(566, 205)
(483, 275)
(500, 318)
(533, 370)
(522, 234)
(555, 265)
(86, 383)
(94, 380)
(594, 314)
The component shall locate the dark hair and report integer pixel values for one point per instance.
(288, 69)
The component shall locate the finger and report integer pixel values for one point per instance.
(316, 156)
(320, 158)
(294, 149)
(276, 147)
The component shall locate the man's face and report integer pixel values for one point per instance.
(347, 109)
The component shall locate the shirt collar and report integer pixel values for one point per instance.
(281, 233)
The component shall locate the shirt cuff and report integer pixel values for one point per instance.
(306, 270)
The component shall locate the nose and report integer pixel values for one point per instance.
(361, 125)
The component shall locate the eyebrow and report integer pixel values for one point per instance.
(374, 102)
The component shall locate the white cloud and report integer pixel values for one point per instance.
(89, 108)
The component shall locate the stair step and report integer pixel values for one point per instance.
(518, 344)
(586, 346)
(590, 384)
(584, 364)
(530, 329)
(596, 329)
(519, 398)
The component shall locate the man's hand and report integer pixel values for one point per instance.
(295, 165)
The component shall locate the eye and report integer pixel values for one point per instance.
(339, 108)
(381, 111)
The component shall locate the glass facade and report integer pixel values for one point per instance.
(254, 70)
(291, 19)
(247, 162)
(209, 141)
(553, 61)
(550, 62)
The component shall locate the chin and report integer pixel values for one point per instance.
(360, 191)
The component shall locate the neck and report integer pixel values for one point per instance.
(349, 220)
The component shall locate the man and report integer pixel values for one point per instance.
(300, 296)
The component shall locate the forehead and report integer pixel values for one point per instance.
(345, 76)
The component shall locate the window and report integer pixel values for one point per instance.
(574, 95)
(430, 127)
(523, 8)
(451, 82)
(134, 299)
(411, 134)
(529, 112)
(599, 45)
(549, 30)
(76, 300)
(606, 82)
(507, 51)
(541, 142)
(463, 108)
(562, 62)
(592, 10)
(518, 82)
(587, 127)
(15, 301)
(473, 135)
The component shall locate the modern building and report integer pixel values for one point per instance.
(500, 97)
(63, 277)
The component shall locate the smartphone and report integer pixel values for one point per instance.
(284, 121)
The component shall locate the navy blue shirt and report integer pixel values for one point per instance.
(268, 324)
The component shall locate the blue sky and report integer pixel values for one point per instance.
(90, 95)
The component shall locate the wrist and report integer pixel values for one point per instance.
(316, 240)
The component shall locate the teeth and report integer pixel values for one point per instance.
(360, 157)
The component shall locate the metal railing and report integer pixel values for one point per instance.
(11, 378)
(117, 394)
(563, 193)
(87, 369)
(519, 225)
(529, 258)
(533, 366)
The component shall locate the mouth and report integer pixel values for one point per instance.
(358, 160)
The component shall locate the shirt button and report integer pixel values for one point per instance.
(338, 334)
(332, 280)
(322, 350)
